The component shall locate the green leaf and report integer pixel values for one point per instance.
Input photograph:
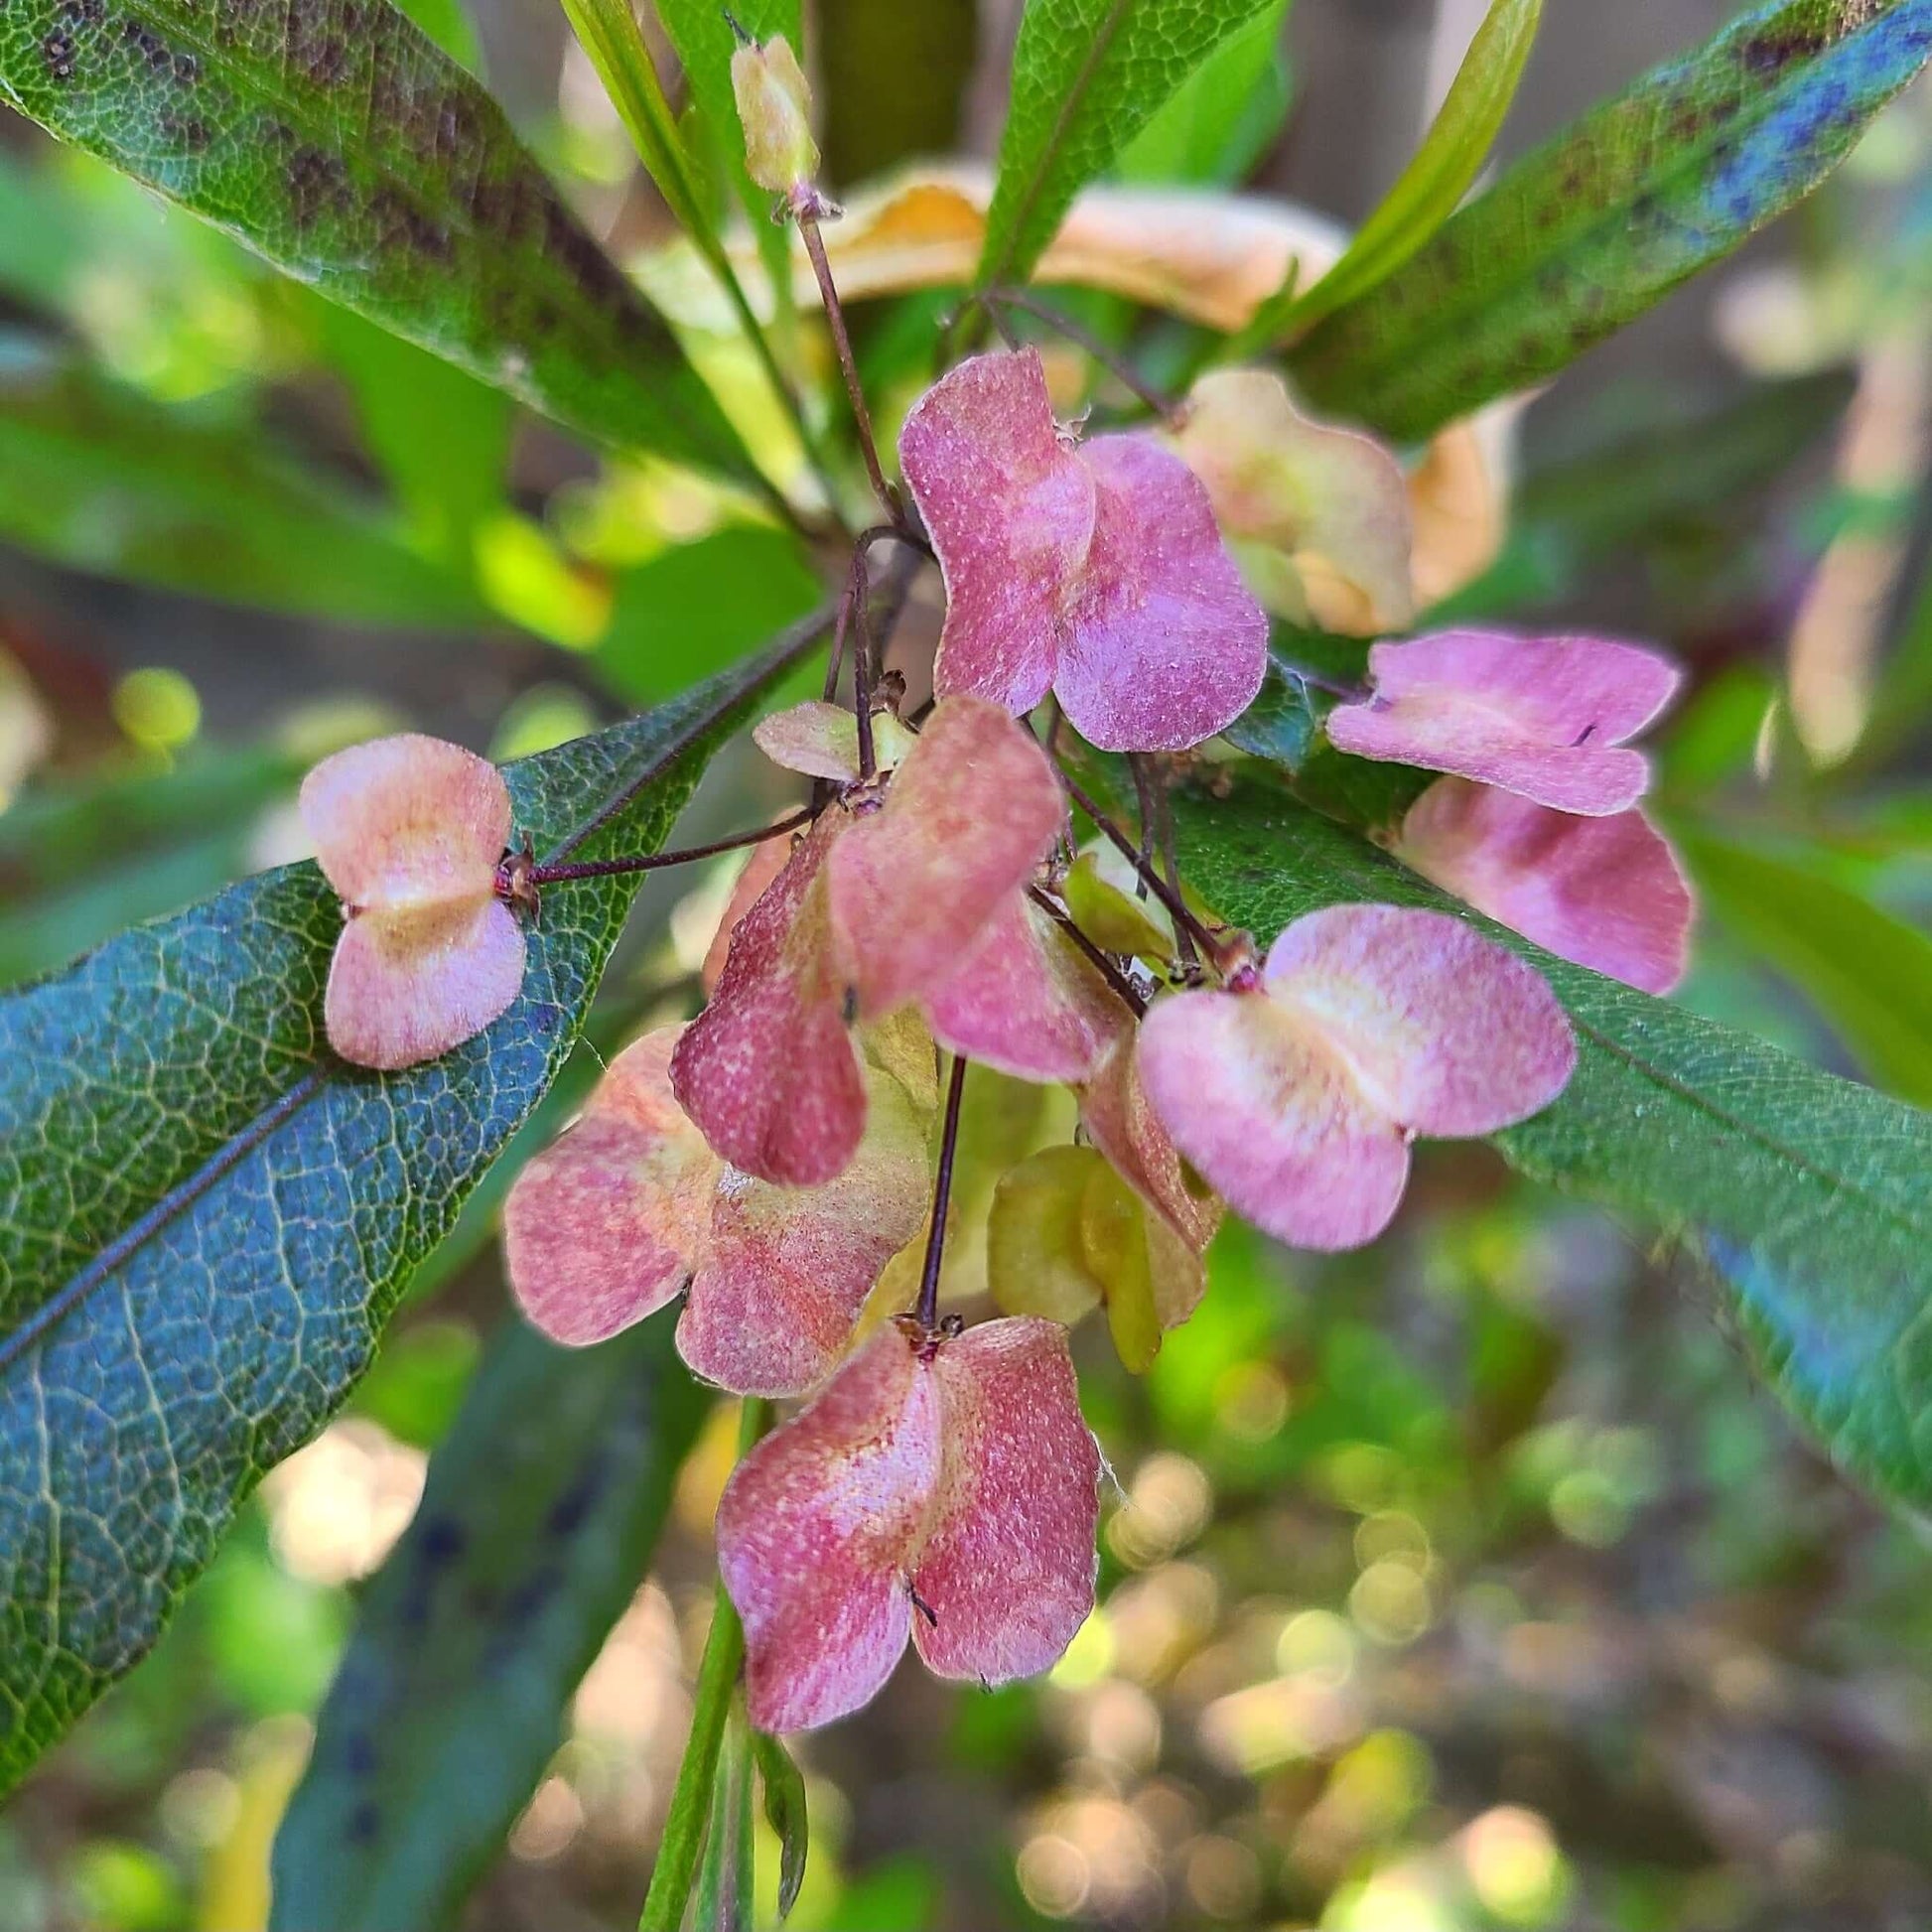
(1620, 495)
(340, 142)
(787, 1812)
(440, 437)
(1448, 162)
(697, 607)
(1870, 974)
(1592, 229)
(206, 1218)
(99, 479)
(1088, 76)
(610, 33)
(1284, 724)
(685, 1824)
(721, 1901)
(1223, 117)
(1804, 1193)
(1308, 670)
(56, 832)
(44, 932)
(537, 1524)
(448, 24)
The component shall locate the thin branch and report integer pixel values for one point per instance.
(1083, 339)
(1125, 988)
(1169, 896)
(512, 873)
(928, 1313)
(848, 366)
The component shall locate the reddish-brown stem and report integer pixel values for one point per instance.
(1055, 717)
(1144, 808)
(1169, 896)
(861, 595)
(1090, 343)
(1171, 860)
(807, 219)
(510, 872)
(1125, 988)
(928, 1313)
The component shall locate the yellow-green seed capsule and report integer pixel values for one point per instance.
(774, 104)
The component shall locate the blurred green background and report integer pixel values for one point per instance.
(1468, 1583)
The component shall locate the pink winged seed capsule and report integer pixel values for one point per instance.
(919, 903)
(607, 1224)
(1297, 1099)
(1607, 892)
(1096, 572)
(946, 1490)
(1544, 717)
(409, 831)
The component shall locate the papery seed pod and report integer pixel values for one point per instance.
(774, 108)
(1368, 1024)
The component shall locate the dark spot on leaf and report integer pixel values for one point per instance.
(185, 132)
(57, 50)
(365, 1821)
(404, 228)
(317, 183)
(359, 1754)
(441, 1540)
(1762, 54)
(568, 1512)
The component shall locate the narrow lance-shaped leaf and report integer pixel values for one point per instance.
(1220, 120)
(1088, 76)
(1869, 972)
(787, 1812)
(1450, 156)
(1805, 1193)
(99, 479)
(206, 1218)
(340, 142)
(1593, 227)
(542, 1508)
(1621, 495)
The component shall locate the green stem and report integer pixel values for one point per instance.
(607, 30)
(676, 1869)
(723, 1900)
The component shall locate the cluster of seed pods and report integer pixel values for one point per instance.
(772, 1162)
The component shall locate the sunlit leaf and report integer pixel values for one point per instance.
(1223, 118)
(1450, 156)
(340, 143)
(694, 608)
(1087, 76)
(97, 478)
(441, 437)
(1590, 229)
